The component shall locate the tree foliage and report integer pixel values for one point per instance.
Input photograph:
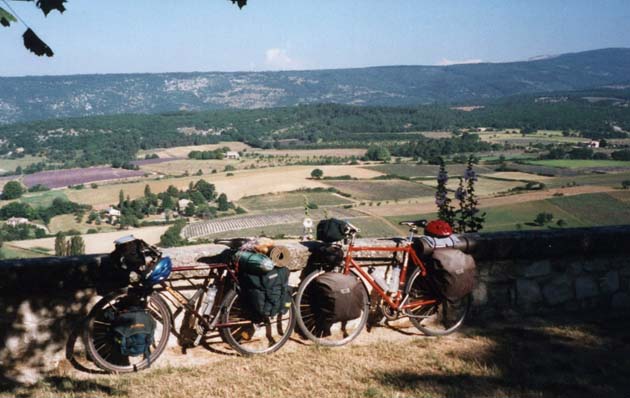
(12, 190)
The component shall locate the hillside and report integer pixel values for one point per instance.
(45, 97)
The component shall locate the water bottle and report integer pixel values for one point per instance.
(379, 281)
(208, 301)
(395, 280)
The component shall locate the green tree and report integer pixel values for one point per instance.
(190, 210)
(317, 173)
(543, 218)
(223, 202)
(172, 236)
(206, 189)
(12, 190)
(60, 244)
(378, 152)
(121, 199)
(77, 246)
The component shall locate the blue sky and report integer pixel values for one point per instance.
(213, 35)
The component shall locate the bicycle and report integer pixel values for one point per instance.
(409, 294)
(215, 305)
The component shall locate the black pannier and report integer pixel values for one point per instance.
(335, 297)
(331, 230)
(265, 295)
(452, 272)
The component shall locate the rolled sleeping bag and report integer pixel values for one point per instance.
(254, 263)
(281, 256)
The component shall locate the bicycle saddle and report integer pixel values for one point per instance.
(417, 223)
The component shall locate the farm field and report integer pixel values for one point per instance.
(483, 186)
(191, 166)
(96, 243)
(576, 211)
(290, 200)
(67, 177)
(612, 180)
(423, 170)
(242, 183)
(518, 176)
(381, 189)
(540, 136)
(304, 153)
(182, 151)
(580, 163)
(9, 165)
(369, 226)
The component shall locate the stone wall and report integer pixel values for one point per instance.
(42, 301)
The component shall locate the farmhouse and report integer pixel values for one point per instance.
(112, 215)
(182, 204)
(232, 155)
(15, 221)
(593, 144)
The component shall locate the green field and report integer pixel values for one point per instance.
(382, 189)
(43, 199)
(608, 180)
(7, 251)
(576, 211)
(11, 164)
(540, 136)
(579, 163)
(290, 200)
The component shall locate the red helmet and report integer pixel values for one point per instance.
(438, 229)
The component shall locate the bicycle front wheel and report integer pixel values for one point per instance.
(99, 339)
(440, 318)
(334, 335)
(251, 338)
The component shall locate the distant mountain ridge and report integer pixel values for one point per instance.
(45, 97)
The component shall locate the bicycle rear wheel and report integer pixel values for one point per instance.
(438, 319)
(250, 338)
(337, 334)
(99, 339)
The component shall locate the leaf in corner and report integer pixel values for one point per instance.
(33, 43)
(5, 17)
(240, 3)
(49, 5)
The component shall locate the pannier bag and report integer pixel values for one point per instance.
(265, 295)
(133, 332)
(331, 230)
(335, 298)
(254, 263)
(453, 273)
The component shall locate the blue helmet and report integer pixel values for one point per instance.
(161, 271)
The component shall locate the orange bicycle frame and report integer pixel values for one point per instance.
(394, 303)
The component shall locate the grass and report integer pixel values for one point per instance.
(7, 251)
(540, 136)
(579, 163)
(609, 179)
(11, 164)
(43, 199)
(553, 357)
(289, 200)
(382, 189)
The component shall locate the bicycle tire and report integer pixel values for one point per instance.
(339, 334)
(249, 338)
(440, 319)
(99, 342)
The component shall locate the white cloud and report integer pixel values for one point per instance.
(445, 62)
(277, 58)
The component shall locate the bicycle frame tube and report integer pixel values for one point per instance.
(409, 253)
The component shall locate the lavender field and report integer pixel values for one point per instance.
(64, 178)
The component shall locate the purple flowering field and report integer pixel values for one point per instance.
(64, 178)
